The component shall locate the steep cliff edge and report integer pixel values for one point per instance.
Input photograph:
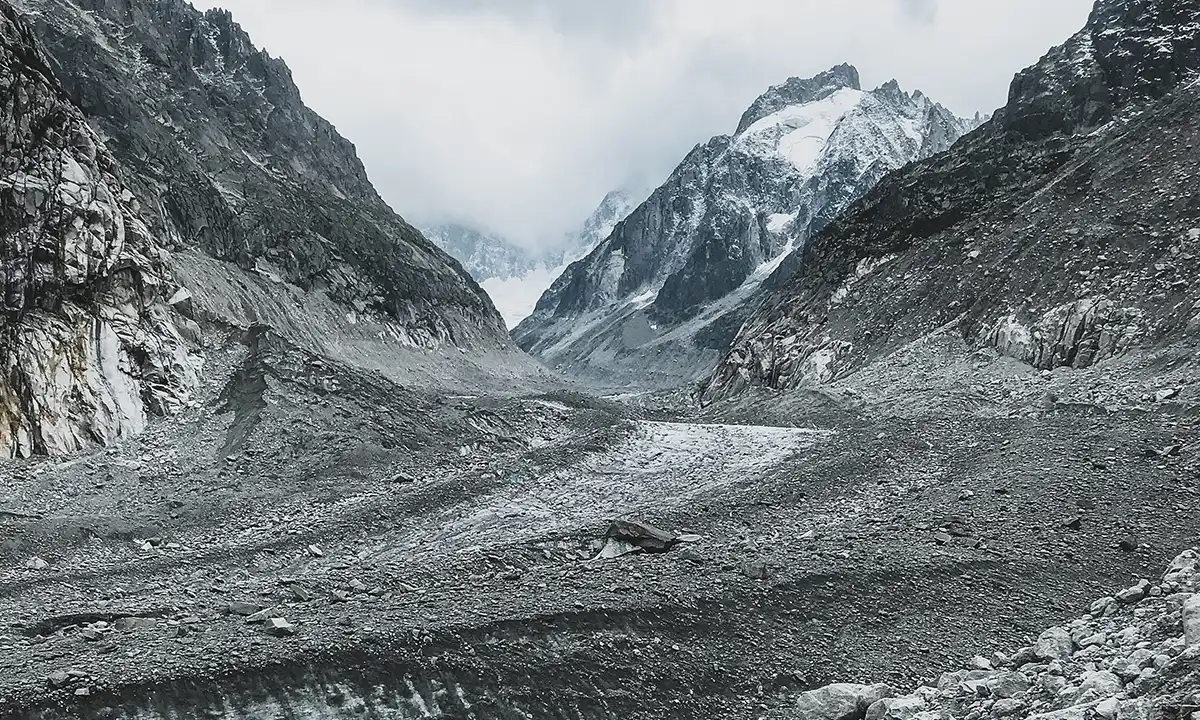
(1063, 232)
(90, 340)
(163, 184)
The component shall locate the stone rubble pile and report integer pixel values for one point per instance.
(1135, 656)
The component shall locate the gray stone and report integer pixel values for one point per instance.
(1007, 684)
(238, 607)
(1100, 683)
(1054, 644)
(841, 701)
(1184, 569)
(279, 627)
(1008, 707)
(899, 708)
(642, 534)
(58, 679)
(755, 569)
(1191, 621)
(955, 680)
(1108, 708)
(1135, 593)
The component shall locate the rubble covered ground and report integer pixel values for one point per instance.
(313, 540)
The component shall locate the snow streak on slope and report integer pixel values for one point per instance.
(671, 285)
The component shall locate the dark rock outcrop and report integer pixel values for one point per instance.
(1063, 232)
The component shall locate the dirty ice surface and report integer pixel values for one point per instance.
(663, 464)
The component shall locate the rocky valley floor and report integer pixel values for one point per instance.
(313, 541)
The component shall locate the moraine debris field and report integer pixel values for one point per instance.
(869, 411)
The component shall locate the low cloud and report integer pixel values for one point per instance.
(518, 115)
(921, 11)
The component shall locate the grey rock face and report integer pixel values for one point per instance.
(90, 341)
(657, 299)
(161, 174)
(221, 148)
(1057, 233)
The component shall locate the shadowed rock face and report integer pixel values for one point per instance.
(217, 140)
(158, 170)
(90, 343)
(658, 299)
(1063, 232)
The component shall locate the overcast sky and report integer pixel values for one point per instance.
(518, 115)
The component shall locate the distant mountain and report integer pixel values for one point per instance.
(515, 276)
(661, 297)
(1064, 232)
(485, 256)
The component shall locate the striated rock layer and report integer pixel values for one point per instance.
(1064, 232)
(91, 342)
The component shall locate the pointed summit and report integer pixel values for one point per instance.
(798, 91)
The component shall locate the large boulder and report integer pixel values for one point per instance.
(897, 708)
(840, 701)
(1054, 644)
(1191, 621)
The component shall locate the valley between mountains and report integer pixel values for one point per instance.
(869, 412)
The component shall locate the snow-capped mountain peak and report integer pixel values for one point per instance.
(671, 284)
(800, 91)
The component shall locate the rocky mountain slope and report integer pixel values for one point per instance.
(1135, 655)
(515, 277)
(1063, 232)
(665, 292)
(155, 160)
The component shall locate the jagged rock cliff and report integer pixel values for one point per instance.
(162, 176)
(218, 141)
(1064, 232)
(665, 292)
(90, 340)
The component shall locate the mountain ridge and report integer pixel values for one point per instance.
(981, 241)
(662, 296)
